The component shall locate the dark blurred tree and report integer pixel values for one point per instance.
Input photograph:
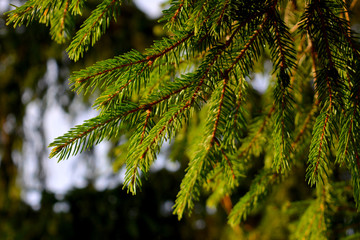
(112, 214)
(23, 62)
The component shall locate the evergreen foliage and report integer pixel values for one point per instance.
(197, 82)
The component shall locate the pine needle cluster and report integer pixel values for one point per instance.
(197, 82)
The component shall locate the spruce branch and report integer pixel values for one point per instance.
(221, 101)
(259, 189)
(110, 95)
(145, 126)
(237, 123)
(226, 3)
(306, 125)
(61, 23)
(190, 186)
(57, 14)
(312, 224)
(317, 170)
(191, 183)
(63, 146)
(227, 160)
(329, 84)
(141, 156)
(76, 7)
(348, 148)
(323, 27)
(105, 72)
(90, 132)
(238, 116)
(220, 184)
(89, 32)
(30, 11)
(219, 119)
(177, 12)
(184, 199)
(148, 112)
(282, 53)
(252, 141)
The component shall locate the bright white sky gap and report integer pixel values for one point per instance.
(152, 8)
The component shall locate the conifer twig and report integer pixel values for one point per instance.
(148, 112)
(74, 48)
(305, 124)
(177, 12)
(262, 127)
(226, 78)
(226, 158)
(326, 38)
(62, 22)
(222, 12)
(146, 59)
